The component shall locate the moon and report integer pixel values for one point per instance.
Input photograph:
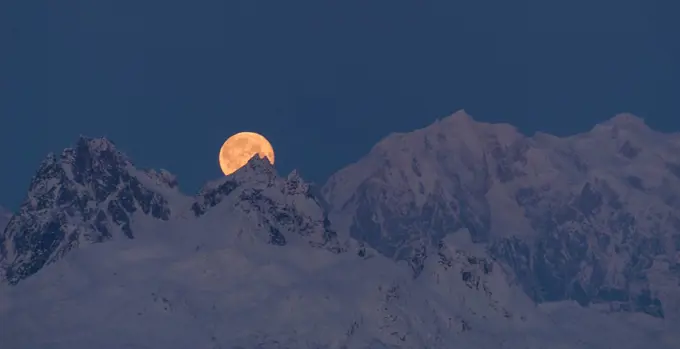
(238, 149)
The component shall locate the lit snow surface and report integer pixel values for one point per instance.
(214, 281)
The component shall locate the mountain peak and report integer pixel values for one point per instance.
(623, 126)
(460, 120)
(91, 157)
(626, 121)
(294, 175)
(257, 169)
(283, 210)
(459, 116)
(260, 164)
(464, 125)
(95, 147)
(96, 144)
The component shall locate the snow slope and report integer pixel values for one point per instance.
(202, 286)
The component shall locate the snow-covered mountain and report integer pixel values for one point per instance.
(593, 217)
(282, 207)
(89, 193)
(453, 236)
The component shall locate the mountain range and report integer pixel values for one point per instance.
(461, 234)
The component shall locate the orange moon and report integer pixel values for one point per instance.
(238, 149)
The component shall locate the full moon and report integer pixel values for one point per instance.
(238, 149)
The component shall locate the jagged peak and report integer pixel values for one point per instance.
(256, 170)
(89, 145)
(85, 155)
(295, 183)
(257, 165)
(93, 164)
(294, 175)
(96, 144)
(95, 147)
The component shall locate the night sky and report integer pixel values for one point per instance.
(324, 80)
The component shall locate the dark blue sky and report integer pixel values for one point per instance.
(324, 80)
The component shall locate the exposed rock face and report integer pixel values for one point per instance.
(88, 194)
(593, 217)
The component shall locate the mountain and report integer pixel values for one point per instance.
(93, 193)
(90, 193)
(282, 207)
(592, 218)
(461, 234)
